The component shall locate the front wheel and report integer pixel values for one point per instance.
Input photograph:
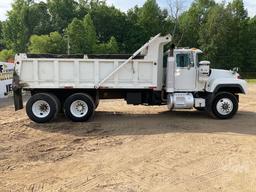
(224, 106)
(79, 107)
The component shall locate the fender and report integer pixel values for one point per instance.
(227, 84)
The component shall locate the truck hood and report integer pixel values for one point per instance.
(219, 73)
(225, 77)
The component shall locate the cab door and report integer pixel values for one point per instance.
(185, 73)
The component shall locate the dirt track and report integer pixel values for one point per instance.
(130, 149)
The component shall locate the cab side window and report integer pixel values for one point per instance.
(183, 60)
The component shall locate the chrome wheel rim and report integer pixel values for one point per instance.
(225, 106)
(41, 109)
(79, 108)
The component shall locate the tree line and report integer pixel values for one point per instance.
(224, 32)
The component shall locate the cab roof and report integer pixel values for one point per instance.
(195, 50)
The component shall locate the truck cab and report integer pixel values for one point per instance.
(192, 83)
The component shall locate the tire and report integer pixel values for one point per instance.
(58, 103)
(84, 112)
(224, 106)
(42, 107)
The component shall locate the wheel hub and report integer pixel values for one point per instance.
(79, 108)
(225, 106)
(41, 109)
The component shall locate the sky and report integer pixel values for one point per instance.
(124, 5)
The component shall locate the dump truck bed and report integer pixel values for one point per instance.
(141, 70)
(86, 73)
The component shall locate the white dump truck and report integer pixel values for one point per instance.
(74, 84)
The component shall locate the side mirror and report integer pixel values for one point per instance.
(204, 71)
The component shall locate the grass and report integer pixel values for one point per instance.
(251, 80)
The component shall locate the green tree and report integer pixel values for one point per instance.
(25, 19)
(237, 37)
(152, 18)
(53, 43)
(37, 19)
(213, 35)
(111, 47)
(14, 30)
(251, 47)
(224, 35)
(1, 30)
(5, 55)
(83, 38)
(82, 35)
(108, 22)
(1, 36)
(191, 21)
(135, 36)
(82, 9)
(145, 22)
(62, 13)
(90, 33)
(76, 34)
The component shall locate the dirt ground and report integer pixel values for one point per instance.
(129, 149)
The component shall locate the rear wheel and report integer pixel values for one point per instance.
(42, 107)
(224, 106)
(79, 107)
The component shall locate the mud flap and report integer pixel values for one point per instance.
(18, 102)
(17, 92)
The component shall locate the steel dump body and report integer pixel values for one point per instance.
(58, 73)
(86, 73)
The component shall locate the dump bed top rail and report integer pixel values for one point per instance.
(87, 56)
